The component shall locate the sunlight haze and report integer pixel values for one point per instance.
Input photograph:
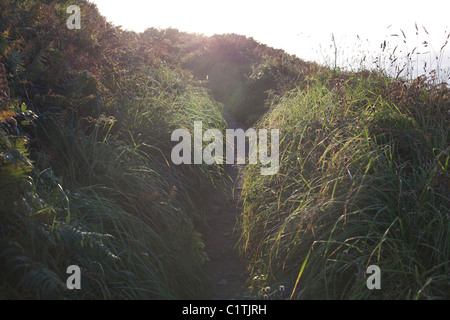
(208, 150)
(303, 28)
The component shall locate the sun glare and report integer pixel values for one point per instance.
(298, 27)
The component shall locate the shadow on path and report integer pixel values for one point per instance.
(225, 269)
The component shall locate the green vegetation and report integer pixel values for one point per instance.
(89, 181)
(244, 74)
(363, 180)
(86, 178)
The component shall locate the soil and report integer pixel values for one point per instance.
(225, 268)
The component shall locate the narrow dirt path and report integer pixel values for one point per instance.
(226, 270)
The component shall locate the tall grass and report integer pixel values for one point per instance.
(363, 180)
(404, 53)
(363, 171)
(105, 196)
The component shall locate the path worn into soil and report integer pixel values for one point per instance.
(226, 270)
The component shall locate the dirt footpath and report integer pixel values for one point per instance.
(226, 270)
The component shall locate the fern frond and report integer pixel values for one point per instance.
(4, 89)
(16, 62)
(43, 282)
(84, 243)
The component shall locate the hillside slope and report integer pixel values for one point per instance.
(86, 176)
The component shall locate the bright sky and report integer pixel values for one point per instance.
(303, 28)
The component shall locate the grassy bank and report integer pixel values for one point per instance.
(363, 180)
(108, 200)
(85, 171)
